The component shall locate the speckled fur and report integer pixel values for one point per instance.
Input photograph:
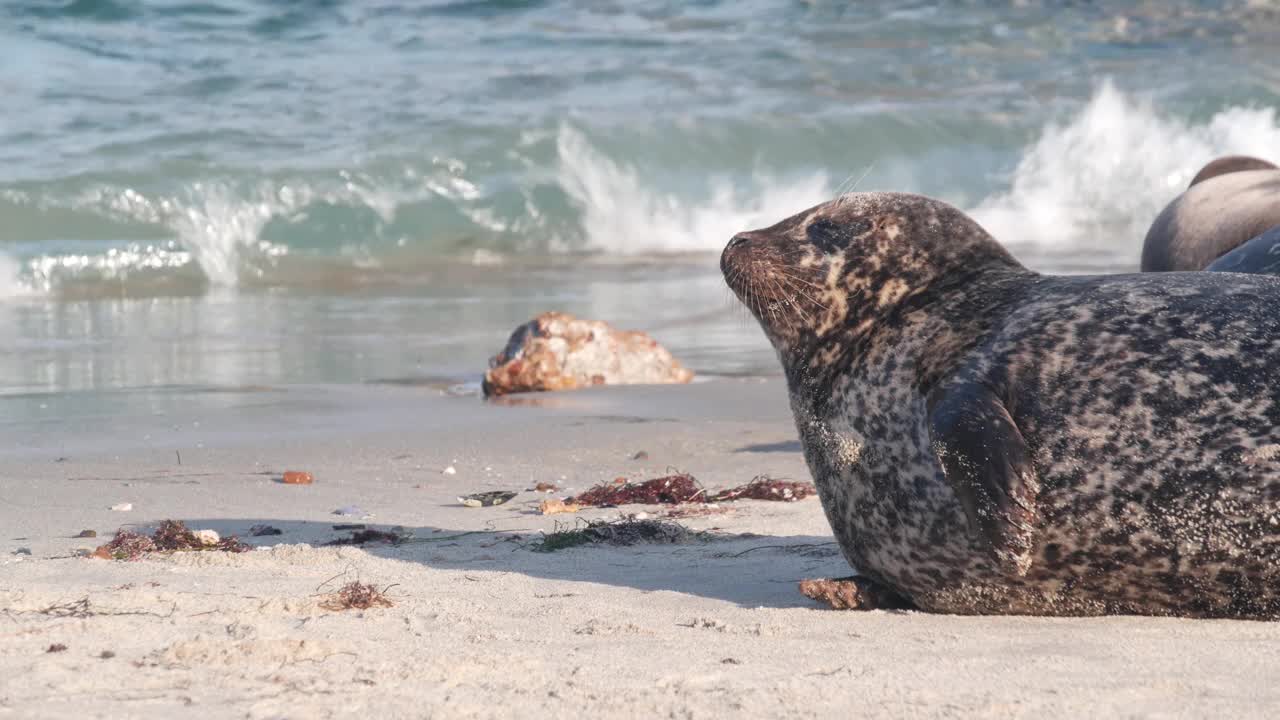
(1149, 404)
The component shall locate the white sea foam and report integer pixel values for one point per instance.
(1083, 192)
(11, 284)
(623, 215)
(1097, 181)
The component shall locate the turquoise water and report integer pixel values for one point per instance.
(248, 192)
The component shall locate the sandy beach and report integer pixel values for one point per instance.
(484, 625)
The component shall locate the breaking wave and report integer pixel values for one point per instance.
(1086, 185)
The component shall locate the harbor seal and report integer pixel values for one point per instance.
(1259, 255)
(1229, 202)
(989, 440)
(1230, 164)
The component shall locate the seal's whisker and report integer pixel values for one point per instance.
(841, 188)
(865, 173)
(778, 299)
(801, 317)
(802, 314)
(801, 280)
(793, 280)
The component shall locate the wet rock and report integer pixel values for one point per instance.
(557, 351)
(486, 499)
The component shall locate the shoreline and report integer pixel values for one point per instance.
(482, 623)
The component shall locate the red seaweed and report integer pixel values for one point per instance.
(669, 490)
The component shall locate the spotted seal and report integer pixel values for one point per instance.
(986, 439)
(1230, 201)
(1259, 255)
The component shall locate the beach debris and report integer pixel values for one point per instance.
(170, 536)
(486, 499)
(681, 512)
(56, 648)
(87, 534)
(356, 596)
(669, 490)
(360, 537)
(848, 594)
(763, 487)
(297, 477)
(625, 531)
(641, 455)
(122, 507)
(451, 470)
(545, 487)
(349, 511)
(261, 530)
(553, 507)
(557, 351)
(683, 489)
(75, 609)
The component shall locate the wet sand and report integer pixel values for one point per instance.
(483, 625)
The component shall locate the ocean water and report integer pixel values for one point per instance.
(242, 193)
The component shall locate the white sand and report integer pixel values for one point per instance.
(482, 625)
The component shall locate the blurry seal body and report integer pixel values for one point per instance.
(989, 440)
(1230, 201)
(1229, 164)
(1260, 255)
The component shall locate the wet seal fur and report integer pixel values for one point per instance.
(1260, 255)
(988, 440)
(1229, 202)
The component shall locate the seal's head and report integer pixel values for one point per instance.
(823, 279)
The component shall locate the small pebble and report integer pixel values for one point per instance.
(56, 647)
(87, 533)
(122, 507)
(297, 477)
(348, 511)
(107, 655)
(451, 470)
(22, 551)
(642, 455)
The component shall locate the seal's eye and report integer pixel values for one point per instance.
(831, 237)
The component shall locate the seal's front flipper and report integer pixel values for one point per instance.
(988, 465)
(854, 593)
